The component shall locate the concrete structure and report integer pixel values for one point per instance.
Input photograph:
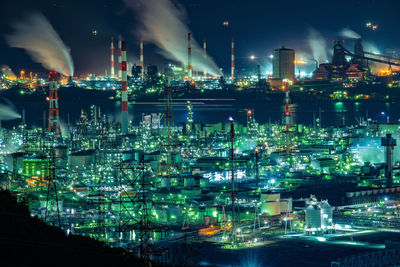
(283, 64)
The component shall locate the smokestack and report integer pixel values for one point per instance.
(54, 117)
(389, 143)
(287, 117)
(233, 61)
(119, 57)
(112, 73)
(124, 91)
(205, 55)
(141, 58)
(189, 57)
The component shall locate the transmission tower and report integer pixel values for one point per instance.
(136, 177)
(52, 186)
(232, 157)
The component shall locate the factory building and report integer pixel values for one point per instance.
(340, 69)
(283, 64)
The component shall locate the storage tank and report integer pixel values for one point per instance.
(326, 216)
(313, 219)
(283, 63)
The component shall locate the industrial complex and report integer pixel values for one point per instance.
(146, 180)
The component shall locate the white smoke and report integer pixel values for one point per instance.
(163, 23)
(350, 34)
(368, 46)
(42, 43)
(318, 46)
(6, 70)
(371, 47)
(8, 111)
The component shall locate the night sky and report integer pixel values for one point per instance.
(258, 27)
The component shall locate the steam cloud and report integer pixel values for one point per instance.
(318, 46)
(368, 46)
(8, 112)
(6, 70)
(370, 150)
(164, 25)
(42, 43)
(348, 33)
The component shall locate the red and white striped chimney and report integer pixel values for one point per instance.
(189, 57)
(119, 57)
(287, 117)
(124, 89)
(54, 117)
(112, 72)
(233, 61)
(205, 56)
(141, 58)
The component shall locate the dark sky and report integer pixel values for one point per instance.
(259, 26)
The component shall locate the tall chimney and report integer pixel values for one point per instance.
(233, 61)
(389, 143)
(205, 55)
(119, 57)
(141, 58)
(287, 117)
(112, 72)
(124, 89)
(54, 117)
(189, 57)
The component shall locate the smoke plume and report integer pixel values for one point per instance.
(318, 46)
(6, 70)
(350, 34)
(42, 43)
(8, 111)
(368, 46)
(163, 23)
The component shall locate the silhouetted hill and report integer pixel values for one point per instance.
(28, 241)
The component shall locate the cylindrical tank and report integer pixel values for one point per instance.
(283, 63)
(313, 218)
(326, 213)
